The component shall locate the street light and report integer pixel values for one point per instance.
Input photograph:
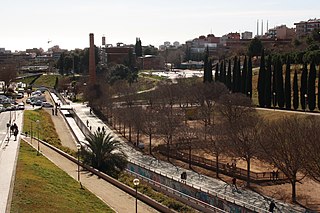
(8, 130)
(79, 147)
(136, 182)
(305, 102)
(38, 137)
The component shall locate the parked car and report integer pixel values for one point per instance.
(21, 106)
(46, 104)
(20, 95)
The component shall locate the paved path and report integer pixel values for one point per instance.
(8, 157)
(243, 197)
(111, 195)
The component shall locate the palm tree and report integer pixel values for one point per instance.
(103, 152)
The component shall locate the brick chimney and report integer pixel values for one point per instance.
(92, 64)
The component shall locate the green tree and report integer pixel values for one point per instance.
(312, 87)
(229, 77)
(287, 86)
(138, 48)
(249, 78)
(255, 47)
(104, 153)
(319, 89)
(295, 91)
(262, 81)
(244, 76)
(207, 76)
(304, 86)
(279, 83)
(216, 73)
(268, 95)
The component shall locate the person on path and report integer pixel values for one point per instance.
(234, 182)
(87, 123)
(272, 206)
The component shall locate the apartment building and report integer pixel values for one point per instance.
(304, 28)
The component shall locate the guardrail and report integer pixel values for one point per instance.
(226, 169)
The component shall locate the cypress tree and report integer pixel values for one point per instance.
(138, 48)
(244, 76)
(280, 89)
(249, 78)
(287, 86)
(268, 83)
(207, 67)
(319, 89)
(238, 76)
(274, 83)
(210, 76)
(224, 71)
(222, 74)
(261, 81)
(312, 87)
(216, 74)
(304, 86)
(234, 74)
(229, 77)
(295, 91)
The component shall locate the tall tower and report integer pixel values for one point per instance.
(262, 27)
(92, 63)
(257, 27)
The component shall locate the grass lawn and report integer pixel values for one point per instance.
(161, 198)
(40, 186)
(45, 130)
(47, 80)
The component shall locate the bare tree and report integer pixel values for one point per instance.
(150, 124)
(188, 140)
(241, 126)
(283, 141)
(8, 72)
(168, 124)
(312, 149)
(207, 95)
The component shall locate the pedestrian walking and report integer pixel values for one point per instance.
(272, 206)
(234, 182)
(90, 128)
(56, 111)
(52, 111)
(15, 133)
(87, 123)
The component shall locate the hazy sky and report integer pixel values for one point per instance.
(31, 23)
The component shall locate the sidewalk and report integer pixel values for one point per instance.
(196, 180)
(8, 159)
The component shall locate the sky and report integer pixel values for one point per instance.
(67, 23)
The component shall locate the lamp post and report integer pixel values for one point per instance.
(249, 95)
(38, 137)
(274, 100)
(136, 182)
(79, 147)
(8, 130)
(305, 103)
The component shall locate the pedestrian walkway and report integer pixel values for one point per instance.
(8, 158)
(111, 195)
(214, 186)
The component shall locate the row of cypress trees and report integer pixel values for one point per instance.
(276, 91)
(237, 79)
